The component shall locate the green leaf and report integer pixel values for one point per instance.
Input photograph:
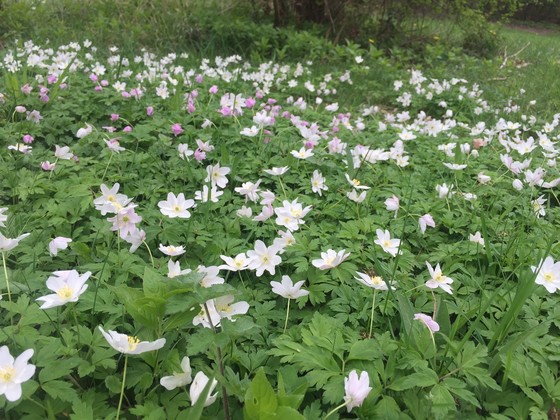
(153, 283)
(61, 390)
(442, 401)
(260, 400)
(421, 379)
(287, 413)
(81, 411)
(387, 408)
(364, 350)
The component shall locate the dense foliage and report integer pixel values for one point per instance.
(176, 201)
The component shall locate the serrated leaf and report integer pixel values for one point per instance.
(61, 390)
(421, 379)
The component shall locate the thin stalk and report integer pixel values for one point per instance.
(6, 276)
(221, 365)
(107, 167)
(371, 315)
(287, 315)
(334, 410)
(149, 252)
(122, 387)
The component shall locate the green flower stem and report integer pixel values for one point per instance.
(54, 167)
(6, 276)
(287, 315)
(149, 252)
(371, 315)
(122, 387)
(334, 410)
(107, 167)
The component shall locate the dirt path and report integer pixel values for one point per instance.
(533, 29)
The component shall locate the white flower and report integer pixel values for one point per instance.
(67, 286)
(318, 183)
(198, 385)
(438, 279)
(330, 259)
(275, 171)
(353, 195)
(244, 211)
(63, 153)
(263, 258)
(204, 195)
(302, 153)
(176, 206)
(110, 201)
(210, 275)
(14, 372)
(178, 379)
(548, 274)
(7, 244)
(477, 238)
(127, 344)
(287, 289)
(356, 184)
(444, 191)
(455, 166)
(217, 175)
(392, 204)
(171, 250)
(356, 389)
(58, 244)
(184, 151)
(227, 309)
(202, 317)
(517, 184)
(538, 206)
(391, 246)
(373, 281)
(174, 269)
(250, 132)
(249, 190)
(240, 262)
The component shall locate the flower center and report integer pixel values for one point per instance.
(176, 209)
(6, 374)
(387, 244)
(355, 182)
(439, 277)
(65, 292)
(549, 277)
(132, 343)
(376, 280)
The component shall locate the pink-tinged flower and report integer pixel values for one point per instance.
(149, 111)
(199, 155)
(426, 220)
(287, 289)
(199, 383)
(538, 206)
(67, 286)
(548, 274)
(14, 372)
(263, 258)
(135, 239)
(127, 129)
(356, 389)
(172, 250)
(20, 109)
(125, 221)
(249, 190)
(114, 145)
(428, 321)
(176, 129)
(47, 166)
(213, 89)
(390, 246)
(392, 204)
(28, 139)
(330, 259)
(58, 244)
(176, 206)
(438, 279)
(127, 344)
(20, 147)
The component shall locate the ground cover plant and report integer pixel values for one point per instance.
(186, 238)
